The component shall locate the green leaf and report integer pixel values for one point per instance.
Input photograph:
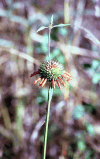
(90, 72)
(45, 39)
(41, 28)
(40, 100)
(95, 64)
(60, 25)
(96, 78)
(55, 53)
(90, 129)
(61, 59)
(57, 91)
(78, 112)
(42, 97)
(62, 31)
(47, 58)
(44, 48)
(44, 93)
(81, 145)
(52, 20)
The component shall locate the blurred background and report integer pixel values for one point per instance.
(74, 126)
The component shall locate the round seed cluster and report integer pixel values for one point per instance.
(51, 70)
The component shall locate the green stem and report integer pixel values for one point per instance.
(46, 125)
(49, 43)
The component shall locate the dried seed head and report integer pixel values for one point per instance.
(51, 70)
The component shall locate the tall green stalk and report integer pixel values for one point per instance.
(46, 124)
(49, 44)
(48, 106)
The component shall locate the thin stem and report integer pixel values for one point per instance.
(46, 125)
(49, 44)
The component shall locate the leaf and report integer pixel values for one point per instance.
(60, 25)
(78, 112)
(90, 129)
(42, 97)
(95, 64)
(40, 100)
(41, 28)
(52, 20)
(44, 93)
(57, 92)
(44, 48)
(96, 78)
(63, 31)
(55, 53)
(90, 72)
(61, 59)
(45, 39)
(81, 145)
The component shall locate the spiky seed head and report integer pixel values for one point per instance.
(51, 70)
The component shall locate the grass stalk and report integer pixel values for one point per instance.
(46, 124)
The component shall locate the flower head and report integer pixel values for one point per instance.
(52, 72)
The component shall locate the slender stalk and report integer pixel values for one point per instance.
(46, 125)
(49, 43)
(48, 105)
